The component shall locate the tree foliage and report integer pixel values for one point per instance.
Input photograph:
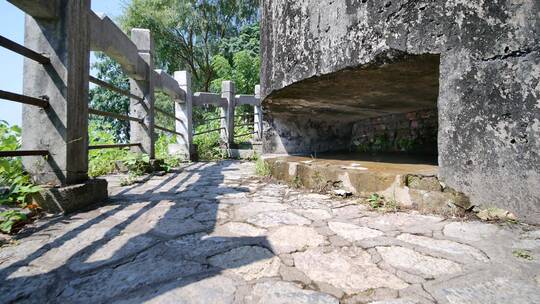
(104, 99)
(188, 33)
(239, 61)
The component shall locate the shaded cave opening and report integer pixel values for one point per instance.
(384, 111)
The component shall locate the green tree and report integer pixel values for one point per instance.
(239, 60)
(104, 99)
(188, 33)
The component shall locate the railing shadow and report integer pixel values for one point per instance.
(151, 236)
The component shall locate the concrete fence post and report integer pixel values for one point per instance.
(258, 127)
(143, 133)
(184, 112)
(62, 128)
(227, 111)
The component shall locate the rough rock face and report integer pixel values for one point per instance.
(329, 64)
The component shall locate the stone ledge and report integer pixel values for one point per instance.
(410, 185)
(72, 198)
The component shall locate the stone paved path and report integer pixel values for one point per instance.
(214, 233)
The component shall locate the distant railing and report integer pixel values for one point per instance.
(59, 38)
(228, 102)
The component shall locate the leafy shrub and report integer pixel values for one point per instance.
(263, 168)
(380, 202)
(12, 175)
(162, 152)
(10, 218)
(137, 164)
(208, 145)
(103, 161)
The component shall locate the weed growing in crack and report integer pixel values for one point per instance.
(263, 168)
(523, 254)
(381, 203)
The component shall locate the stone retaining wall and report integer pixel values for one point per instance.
(414, 132)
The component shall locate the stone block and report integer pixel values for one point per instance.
(241, 153)
(449, 203)
(72, 198)
(427, 183)
(180, 150)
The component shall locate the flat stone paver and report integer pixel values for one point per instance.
(216, 233)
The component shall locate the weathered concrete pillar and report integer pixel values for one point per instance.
(62, 128)
(227, 111)
(143, 133)
(258, 127)
(184, 111)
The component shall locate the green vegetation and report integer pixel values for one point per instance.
(523, 254)
(188, 33)
(239, 61)
(105, 161)
(213, 40)
(10, 218)
(16, 183)
(381, 203)
(263, 168)
(104, 99)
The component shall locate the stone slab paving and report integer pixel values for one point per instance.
(215, 233)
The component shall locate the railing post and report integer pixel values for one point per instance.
(227, 111)
(62, 128)
(143, 133)
(258, 120)
(184, 112)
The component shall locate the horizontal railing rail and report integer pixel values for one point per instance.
(167, 84)
(202, 98)
(114, 115)
(113, 146)
(113, 88)
(33, 101)
(245, 125)
(24, 153)
(208, 131)
(247, 100)
(168, 130)
(170, 115)
(245, 134)
(24, 51)
(211, 119)
(244, 115)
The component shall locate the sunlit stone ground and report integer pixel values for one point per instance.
(214, 233)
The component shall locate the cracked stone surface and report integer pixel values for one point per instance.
(349, 274)
(215, 233)
(250, 262)
(352, 232)
(287, 239)
(410, 260)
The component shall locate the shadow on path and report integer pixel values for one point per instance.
(148, 239)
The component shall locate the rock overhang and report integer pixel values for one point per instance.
(395, 82)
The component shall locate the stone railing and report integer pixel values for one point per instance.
(59, 36)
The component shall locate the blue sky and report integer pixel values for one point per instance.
(11, 64)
